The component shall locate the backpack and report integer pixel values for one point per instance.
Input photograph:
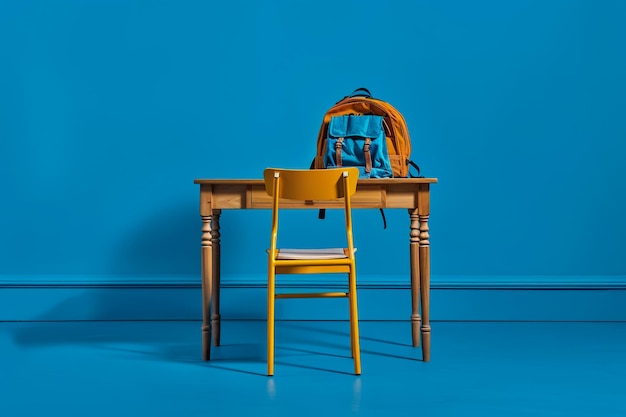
(365, 132)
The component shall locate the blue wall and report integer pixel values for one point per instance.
(110, 109)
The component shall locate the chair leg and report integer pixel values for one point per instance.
(271, 299)
(354, 324)
(351, 327)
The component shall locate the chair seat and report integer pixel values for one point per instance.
(326, 253)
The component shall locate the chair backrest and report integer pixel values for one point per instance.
(311, 184)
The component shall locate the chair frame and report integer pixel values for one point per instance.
(324, 184)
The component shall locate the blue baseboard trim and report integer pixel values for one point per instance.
(50, 298)
(467, 282)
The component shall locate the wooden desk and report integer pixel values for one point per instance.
(233, 194)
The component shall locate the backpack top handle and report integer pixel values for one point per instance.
(361, 92)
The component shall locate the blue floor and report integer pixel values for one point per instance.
(154, 369)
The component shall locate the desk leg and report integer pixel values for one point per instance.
(416, 319)
(215, 240)
(424, 260)
(206, 256)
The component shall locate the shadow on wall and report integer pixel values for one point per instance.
(164, 242)
(154, 275)
(168, 243)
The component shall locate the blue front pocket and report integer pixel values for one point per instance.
(352, 131)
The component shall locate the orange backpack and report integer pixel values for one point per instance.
(361, 102)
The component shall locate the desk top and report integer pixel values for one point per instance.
(408, 193)
(362, 181)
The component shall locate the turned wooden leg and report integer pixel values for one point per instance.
(215, 241)
(424, 267)
(416, 319)
(206, 256)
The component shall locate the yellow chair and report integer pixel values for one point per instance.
(311, 185)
